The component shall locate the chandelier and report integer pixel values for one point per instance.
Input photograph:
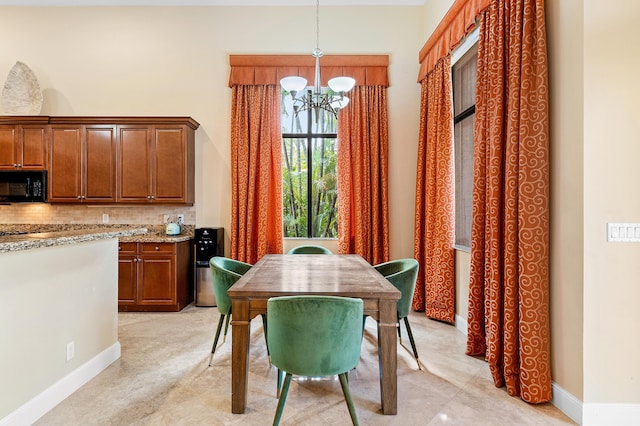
(333, 100)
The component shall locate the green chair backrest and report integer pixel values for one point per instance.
(225, 273)
(314, 335)
(402, 273)
(309, 249)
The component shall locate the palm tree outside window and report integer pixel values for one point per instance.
(309, 172)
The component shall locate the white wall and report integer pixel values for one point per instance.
(174, 61)
(49, 297)
(611, 174)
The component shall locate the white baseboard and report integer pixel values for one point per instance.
(461, 324)
(563, 400)
(597, 414)
(39, 405)
(567, 403)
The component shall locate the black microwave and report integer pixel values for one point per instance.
(18, 186)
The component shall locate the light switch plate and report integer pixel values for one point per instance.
(623, 232)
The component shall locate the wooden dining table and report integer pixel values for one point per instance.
(337, 275)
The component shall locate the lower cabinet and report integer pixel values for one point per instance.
(154, 276)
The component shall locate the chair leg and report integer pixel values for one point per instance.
(282, 399)
(279, 383)
(215, 339)
(399, 332)
(344, 382)
(413, 343)
(264, 327)
(226, 327)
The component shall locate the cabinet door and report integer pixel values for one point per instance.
(170, 165)
(65, 166)
(32, 151)
(127, 279)
(100, 164)
(134, 164)
(8, 147)
(156, 280)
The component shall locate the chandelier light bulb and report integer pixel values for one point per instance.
(341, 84)
(293, 83)
(339, 103)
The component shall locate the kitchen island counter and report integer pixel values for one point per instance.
(28, 241)
(25, 237)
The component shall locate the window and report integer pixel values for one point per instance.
(464, 105)
(309, 165)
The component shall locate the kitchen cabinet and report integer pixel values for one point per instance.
(156, 163)
(154, 276)
(23, 146)
(82, 165)
(129, 160)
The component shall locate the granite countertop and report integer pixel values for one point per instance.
(25, 237)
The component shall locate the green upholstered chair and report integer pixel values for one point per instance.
(402, 273)
(309, 249)
(314, 336)
(225, 273)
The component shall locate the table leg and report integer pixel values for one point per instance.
(388, 359)
(240, 326)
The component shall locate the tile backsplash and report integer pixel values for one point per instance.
(44, 213)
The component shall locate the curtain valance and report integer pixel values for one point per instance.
(368, 70)
(458, 22)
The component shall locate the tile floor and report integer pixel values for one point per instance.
(162, 378)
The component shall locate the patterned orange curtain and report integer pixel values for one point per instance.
(363, 175)
(509, 287)
(435, 214)
(256, 176)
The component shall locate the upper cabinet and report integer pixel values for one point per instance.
(83, 163)
(132, 160)
(23, 143)
(156, 163)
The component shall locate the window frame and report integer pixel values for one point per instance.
(462, 200)
(310, 136)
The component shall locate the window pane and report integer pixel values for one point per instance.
(323, 191)
(322, 122)
(464, 180)
(291, 123)
(464, 81)
(294, 173)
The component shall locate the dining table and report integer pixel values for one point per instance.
(346, 275)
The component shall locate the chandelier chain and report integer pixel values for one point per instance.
(318, 24)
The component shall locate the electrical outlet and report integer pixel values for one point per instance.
(105, 218)
(181, 219)
(71, 350)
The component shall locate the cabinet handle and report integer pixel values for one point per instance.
(79, 197)
(16, 165)
(157, 248)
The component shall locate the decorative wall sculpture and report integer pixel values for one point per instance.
(21, 94)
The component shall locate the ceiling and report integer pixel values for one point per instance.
(210, 2)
